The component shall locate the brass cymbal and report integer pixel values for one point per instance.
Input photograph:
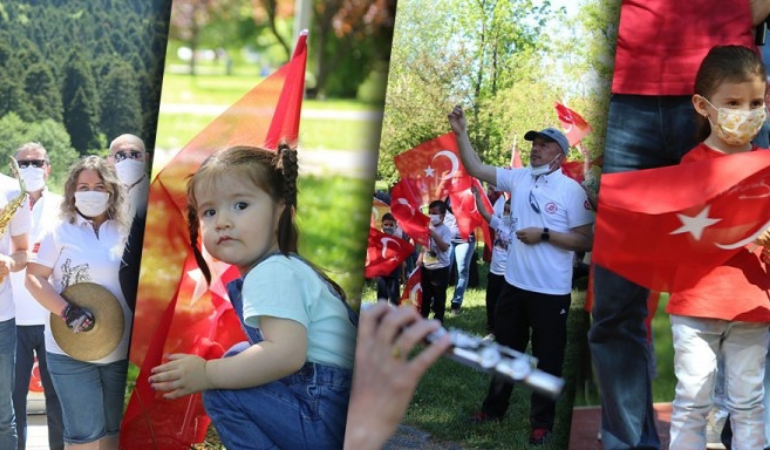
(108, 329)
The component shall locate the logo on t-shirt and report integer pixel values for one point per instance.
(551, 207)
(587, 205)
(36, 247)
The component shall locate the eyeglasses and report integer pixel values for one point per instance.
(120, 155)
(31, 162)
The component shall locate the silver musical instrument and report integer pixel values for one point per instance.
(495, 359)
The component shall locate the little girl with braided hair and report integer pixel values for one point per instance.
(289, 385)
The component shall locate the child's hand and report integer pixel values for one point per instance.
(385, 378)
(182, 375)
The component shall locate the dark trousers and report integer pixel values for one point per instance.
(30, 342)
(495, 285)
(434, 284)
(517, 311)
(388, 289)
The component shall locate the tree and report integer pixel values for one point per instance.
(121, 105)
(42, 93)
(81, 103)
(50, 134)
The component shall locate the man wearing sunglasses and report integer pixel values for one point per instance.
(128, 155)
(551, 218)
(34, 168)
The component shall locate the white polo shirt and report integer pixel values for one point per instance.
(76, 255)
(45, 215)
(20, 223)
(552, 201)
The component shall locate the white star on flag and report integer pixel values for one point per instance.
(217, 268)
(429, 171)
(695, 225)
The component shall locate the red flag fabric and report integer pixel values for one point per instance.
(575, 170)
(467, 215)
(516, 158)
(666, 228)
(379, 208)
(405, 207)
(412, 294)
(573, 124)
(385, 253)
(434, 167)
(186, 315)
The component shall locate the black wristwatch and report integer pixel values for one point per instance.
(545, 235)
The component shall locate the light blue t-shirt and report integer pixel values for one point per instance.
(287, 288)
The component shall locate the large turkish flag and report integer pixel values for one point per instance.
(666, 228)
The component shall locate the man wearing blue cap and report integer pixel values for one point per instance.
(552, 219)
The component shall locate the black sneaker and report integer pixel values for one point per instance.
(540, 436)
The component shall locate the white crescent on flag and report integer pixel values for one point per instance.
(745, 241)
(452, 158)
(402, 201)
(385, 241)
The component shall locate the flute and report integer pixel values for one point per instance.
(499, 360)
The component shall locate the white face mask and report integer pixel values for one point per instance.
(91, 203)
(130, 171)
(435, 219)
(737, 126)
(34, 178)
(542, 169)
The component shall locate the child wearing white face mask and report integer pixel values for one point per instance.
(726, 314)
(434, 260)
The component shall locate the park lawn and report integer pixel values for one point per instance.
(226, 90)
(176, 130)
(664, 384)
(449, 393)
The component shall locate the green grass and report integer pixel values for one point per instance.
(664, 384)
(225, 90)
(450, 392)
(175, 130)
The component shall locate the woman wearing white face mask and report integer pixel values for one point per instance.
(86, 246)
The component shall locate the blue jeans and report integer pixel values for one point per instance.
(8, 438)
(91, 397)
(461, 254)
(305, 410)
(642, 132)
(30, 342)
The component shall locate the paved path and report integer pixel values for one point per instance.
(586, 422)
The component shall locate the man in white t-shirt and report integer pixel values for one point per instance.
(35, 168)
(553, 219)
(13, 258)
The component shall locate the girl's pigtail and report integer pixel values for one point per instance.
(192, 223)
(287, 165)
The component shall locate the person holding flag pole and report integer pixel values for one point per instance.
(552, 219)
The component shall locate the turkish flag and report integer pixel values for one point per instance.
(573, 124)
(467, 215)
(666, 228)
(182, 312)
(379, 208)
(516, 159)
(385, 253)
(405, 207)
(434, 168)
(575, 170)
(412, 294)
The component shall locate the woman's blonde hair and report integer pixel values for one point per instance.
(116, 210)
